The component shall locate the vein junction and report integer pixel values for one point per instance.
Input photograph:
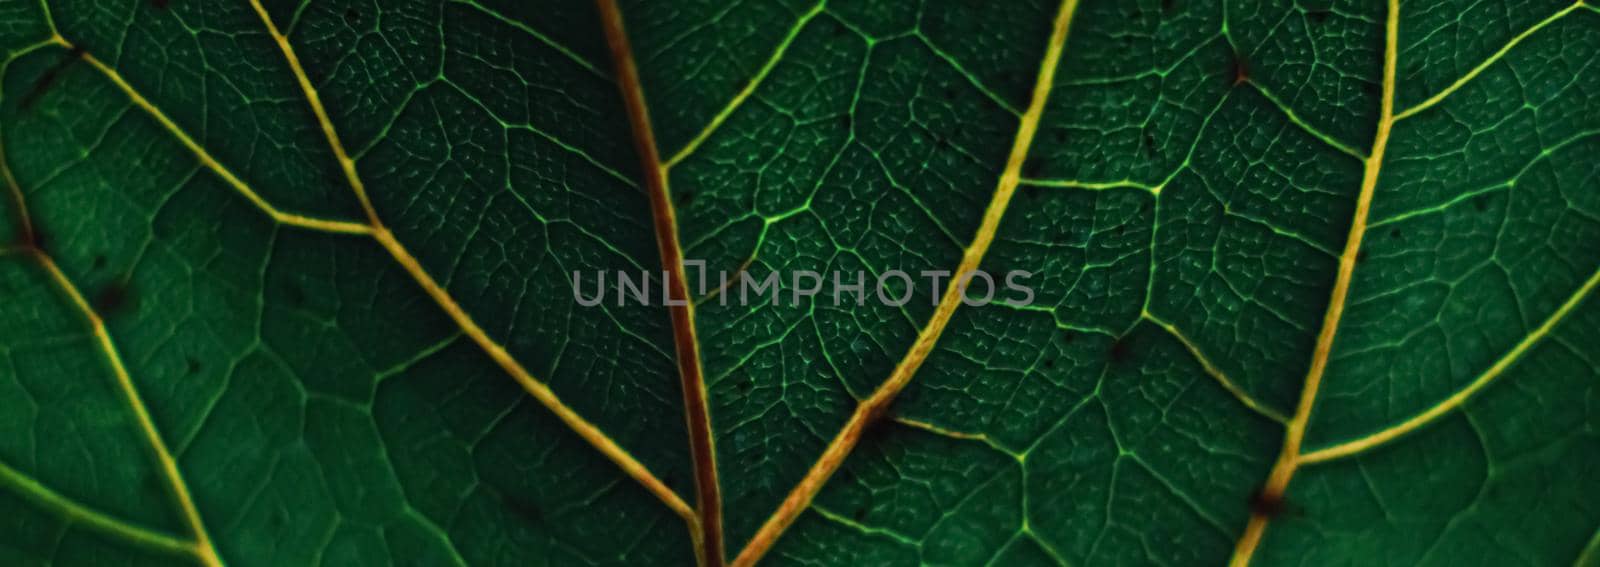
(1292, 456)
(874, 406)
(1289, 456)
(706, 527)
(373, 227)
(201, 548)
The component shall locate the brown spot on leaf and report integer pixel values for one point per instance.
(49, 77)
(1270, 505)
(1240, 65)
(1121, 351)
(30, 239)
(526, 510)
(875, 424)
(113, 298)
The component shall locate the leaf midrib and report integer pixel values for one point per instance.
(538, 389)
(706, 529)
(1289, 459)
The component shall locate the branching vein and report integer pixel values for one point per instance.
(1289, 457)
(872, 408)
(1216, 373)
(202, 548)
(94, 519)
(1491, 60)
(749, 88)
(1432, 414)
(374, 228)
(708, 490)
(402, 255)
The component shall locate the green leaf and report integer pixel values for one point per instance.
(288, 283)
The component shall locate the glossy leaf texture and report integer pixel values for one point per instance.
(290, 283)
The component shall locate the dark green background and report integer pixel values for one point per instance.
(322, 409)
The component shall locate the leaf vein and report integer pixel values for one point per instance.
(799, 498)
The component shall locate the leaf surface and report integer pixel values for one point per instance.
(292, 283)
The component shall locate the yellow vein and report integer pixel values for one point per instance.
(23, 220)
(953, 434)
(1591, 553)
(25, 223)
(1495, 371)
(872, 408)
(1289, 457)
(345, 163)
(49, 18)
(1306, 126)
(749, 88)
(941, 431)
(343, 227)
(1496, 56)
(588, 431)
(202, 547)
(955, 63)
(696, 413)
(94, 519)
(852, 523)
(536, 34)
(1094, 185)
(49, 498)
(1216, 373)
(537, 389)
